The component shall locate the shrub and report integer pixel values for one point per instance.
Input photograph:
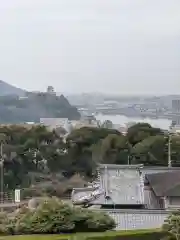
(53, 216)
(91, 221)
(172, 225)
(99, 221)
(3, 222)
(3, 218)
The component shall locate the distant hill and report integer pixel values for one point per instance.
(33, 106)
(7, 89)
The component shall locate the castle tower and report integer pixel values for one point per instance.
(50, 90)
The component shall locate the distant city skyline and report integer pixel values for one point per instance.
(127, 47)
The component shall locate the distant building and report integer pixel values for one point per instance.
(107, 124)
(68, 127)
(176, 105)
(22, 98)
(86, 121)
(82, 124)
(176, 112)
(53, 122)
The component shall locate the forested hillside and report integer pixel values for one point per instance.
(7, 89)
(35, 106)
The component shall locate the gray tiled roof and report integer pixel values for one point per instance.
(164, 183)
(122, 185)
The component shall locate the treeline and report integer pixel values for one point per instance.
(35, 154)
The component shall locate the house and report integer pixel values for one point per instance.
(134, 195)
(165, 187)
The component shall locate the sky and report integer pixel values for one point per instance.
(110, 46)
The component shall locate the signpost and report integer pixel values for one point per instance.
(17, 196)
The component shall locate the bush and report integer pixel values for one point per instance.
(53, 216)
(3, 222)
(99, 221)
(172, 226)
(91, 221)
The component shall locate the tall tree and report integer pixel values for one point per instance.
(141, 131)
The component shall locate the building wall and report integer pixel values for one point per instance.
(176, 105)
(138, 219)
(173, 202)
(53, 122)
(176, 110)
(150, 199)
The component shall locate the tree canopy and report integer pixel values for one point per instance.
(29, 151)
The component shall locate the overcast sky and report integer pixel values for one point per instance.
(115, 46)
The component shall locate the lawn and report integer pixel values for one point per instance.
(80, 236)
(38, 237)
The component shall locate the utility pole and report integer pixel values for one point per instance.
(2, 176)
(169, 150)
